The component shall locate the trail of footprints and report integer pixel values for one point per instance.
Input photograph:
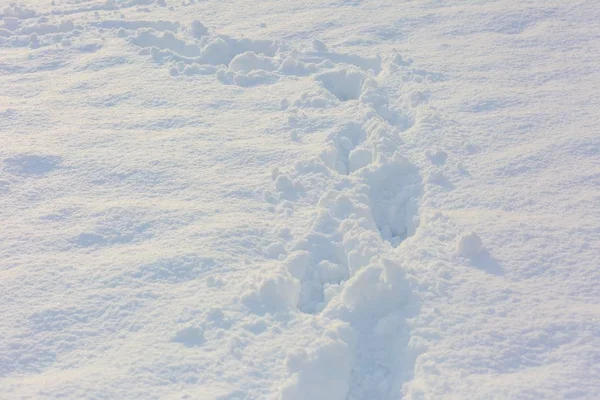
(368, 197)
(368, 192)
(369, 205)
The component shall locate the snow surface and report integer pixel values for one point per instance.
(314, 200)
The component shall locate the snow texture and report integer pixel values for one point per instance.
(323, 200)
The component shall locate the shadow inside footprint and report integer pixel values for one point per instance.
(344, 84)
(395, 189)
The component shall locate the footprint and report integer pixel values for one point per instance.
(317, 262)
(341, 145)
(351, 228)
(375, 97)
(345, 84)
(394, 191)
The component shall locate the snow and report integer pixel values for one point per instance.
(470, 245)
(299, 200)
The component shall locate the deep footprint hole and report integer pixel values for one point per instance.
(395, 190)
(344, 84)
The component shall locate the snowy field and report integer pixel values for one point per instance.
(321, 200)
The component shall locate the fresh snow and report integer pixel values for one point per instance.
(322, 200)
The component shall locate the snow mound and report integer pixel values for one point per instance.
(469, 245)
(324, 372)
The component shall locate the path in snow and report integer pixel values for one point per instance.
(371, 202)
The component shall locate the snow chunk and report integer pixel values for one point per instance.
(359, 158)
(216, 52)
(190, 336)
(254, 78)
(377, 289)
(469, 245)
(196, 69)
(250, 61)
(324, 373)
(319, 46)
(297, 263)
(286, 187)
(331, 272)
(292, 66)
(147, 37)
(198, 29)
(16, 11)
(314, 100)
(274, 292)
(274, 250)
